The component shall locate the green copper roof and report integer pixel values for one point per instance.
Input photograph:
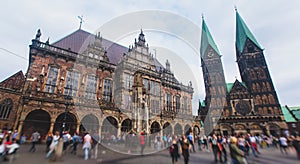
(206, 40)
(288, 116)
(202, 103)
(242, 33)
(230, 85)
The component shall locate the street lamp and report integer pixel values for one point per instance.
(59, 151)
(67, 103)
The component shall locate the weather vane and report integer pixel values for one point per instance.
(81, 20)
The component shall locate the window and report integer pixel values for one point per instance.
(72, 83)
(169, 101)
(90, 90)
(154, 88)
(154, 106)
(127, 81)
(127, 101)
(52, 78)
(177, 108)
(184, 105)
(107, 90)
(5, 108)
(145, 84)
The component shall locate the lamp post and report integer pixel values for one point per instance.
(58, 153)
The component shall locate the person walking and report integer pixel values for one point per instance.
(296, 145)
(174, 151)
(75, 141)
(142, 142)
(66, 140)
(205, 143)
(53, 145)
(200, 140)
(15, 135)
(221, 145)
(87, 143)
(49, 139)
(185, 149)
(253, 145)
(34, 140)
(283, 144)
(191, 140)
(215, 148)
(237, 155)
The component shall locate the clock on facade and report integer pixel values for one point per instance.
(210, 53)
(243, 107)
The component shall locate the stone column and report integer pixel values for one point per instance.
(20, 130)
(78, 127)
(51, 127)
(119, 130)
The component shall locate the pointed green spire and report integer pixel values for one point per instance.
(207, 40)
(242, 33)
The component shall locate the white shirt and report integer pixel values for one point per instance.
(252, 139)
(12, 147)
(87, 141)
(2, 148)
(55, 139)
(283, 141)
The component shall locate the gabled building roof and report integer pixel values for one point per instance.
(79, 40)
(14, 82)
(207, 40)
(288, 115)
(229, 86)
(242, 33)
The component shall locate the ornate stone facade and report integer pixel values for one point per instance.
(84, 82)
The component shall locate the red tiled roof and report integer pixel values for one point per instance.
(79, 40)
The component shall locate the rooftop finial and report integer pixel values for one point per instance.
(235, 8)
(81, 20)
(202, 16)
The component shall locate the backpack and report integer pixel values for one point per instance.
(49, 139)
(171, 149)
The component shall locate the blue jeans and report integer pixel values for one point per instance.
(86, 153)
(234, 161)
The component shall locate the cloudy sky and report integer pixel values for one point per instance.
(275, 25)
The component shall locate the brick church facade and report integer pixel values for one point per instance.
(247, 106)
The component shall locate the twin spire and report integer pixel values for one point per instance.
(207, 40)
(242, 34)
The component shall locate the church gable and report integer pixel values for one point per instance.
(238, 90)
(14, 82)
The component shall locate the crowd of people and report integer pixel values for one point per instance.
(8, 145)
(237, 147)
(240, 146)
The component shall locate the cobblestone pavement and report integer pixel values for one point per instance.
(267, 156)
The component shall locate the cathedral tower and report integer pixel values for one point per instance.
(254, 70)
(214, 79)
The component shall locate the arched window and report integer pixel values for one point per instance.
(5, 108)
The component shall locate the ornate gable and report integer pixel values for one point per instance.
(239, 91)
(14, 82)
